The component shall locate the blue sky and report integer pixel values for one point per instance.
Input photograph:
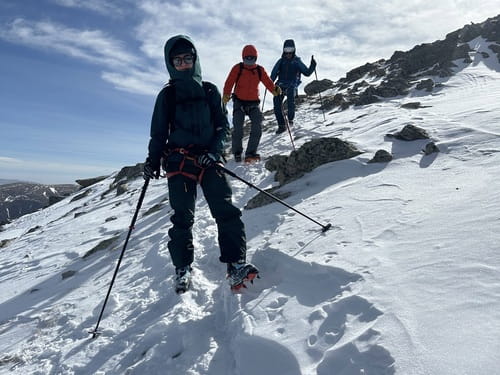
(79, 77)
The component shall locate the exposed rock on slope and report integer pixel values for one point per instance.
(415, 68)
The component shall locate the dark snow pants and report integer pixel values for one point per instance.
(240, 110)
(217, 192)
(278, 106)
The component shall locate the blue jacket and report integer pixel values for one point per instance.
(288, 71)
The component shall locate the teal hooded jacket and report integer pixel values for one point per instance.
(200, 121)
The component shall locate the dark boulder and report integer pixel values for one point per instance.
(425, 84)
(430, 148)
(308, 157)
(90, 181)
(381, 156)
(318, 86)
(410, 133)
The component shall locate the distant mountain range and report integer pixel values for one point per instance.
(3, 181)
(20, 198)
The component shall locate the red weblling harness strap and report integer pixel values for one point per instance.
(186, 155)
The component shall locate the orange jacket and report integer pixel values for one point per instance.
(247, 85)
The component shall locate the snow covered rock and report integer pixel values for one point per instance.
(312, 154)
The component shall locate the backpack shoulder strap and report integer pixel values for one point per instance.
(239, 73)
(209, 90)
(259, 71)
(170, 87)
(170, 102)
(208, 87)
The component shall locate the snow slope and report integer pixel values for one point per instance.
(406, 282)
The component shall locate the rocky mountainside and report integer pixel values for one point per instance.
(20, 198)
(421, 68)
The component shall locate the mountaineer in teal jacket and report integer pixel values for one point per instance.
(189, 129)
(288, 70)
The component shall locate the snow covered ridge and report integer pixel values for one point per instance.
(422, 68)
(406, 282)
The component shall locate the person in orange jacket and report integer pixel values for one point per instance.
(245, 78)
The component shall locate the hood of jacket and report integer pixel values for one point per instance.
(249, 50)
(287, 44)
(191, 74)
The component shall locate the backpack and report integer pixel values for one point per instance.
(172, 103)
(259, 72)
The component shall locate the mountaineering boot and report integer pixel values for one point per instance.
(238, 273)
(252, 158)
(237, 158)
(182, 279)
(280, 130)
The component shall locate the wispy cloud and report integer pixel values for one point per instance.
(135, 81)
(341, 34)
(47, 171)
(93, 46)
(105, 7)
(6, 161)
(124, 69)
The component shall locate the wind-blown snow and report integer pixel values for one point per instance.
(407, 281)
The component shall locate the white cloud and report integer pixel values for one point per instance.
(6, 161)
(105, 7)
(138, 82)
(94, 46)
(47, 171)
(341, 34)
(125, 69)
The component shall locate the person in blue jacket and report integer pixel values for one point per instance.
(288, 70)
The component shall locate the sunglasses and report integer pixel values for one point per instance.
(187, 59)
(250, 59)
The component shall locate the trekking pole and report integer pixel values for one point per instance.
(95, 332)
(264, 100)
(285, 118)
(232, 174)
(320, 98)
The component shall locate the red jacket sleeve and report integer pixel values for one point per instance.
(231, 80)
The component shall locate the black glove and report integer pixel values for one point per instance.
(208, 160)
(313, 63)
(151, 170)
